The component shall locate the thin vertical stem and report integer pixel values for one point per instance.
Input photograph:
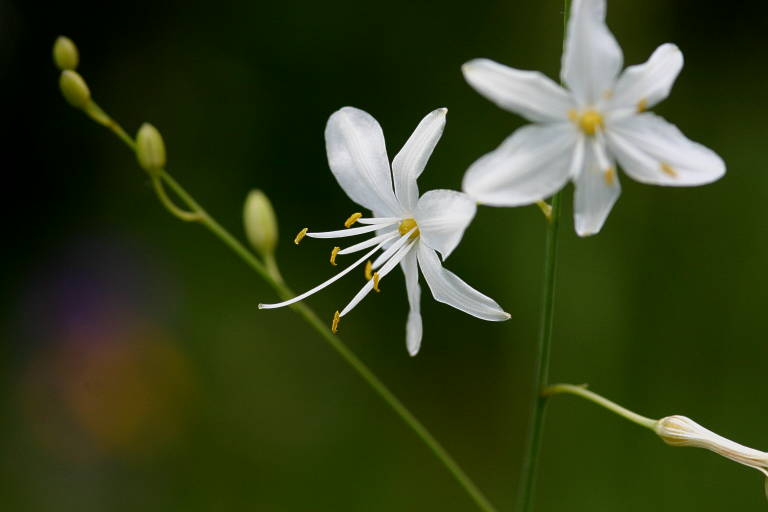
(544, 345)
(543, 348)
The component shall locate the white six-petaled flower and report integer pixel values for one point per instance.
(580, 131)
(409, 230)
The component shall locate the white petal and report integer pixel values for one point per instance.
(358, 159)
(442, 217)
(533, 163)
(413, 329)
(528, 93)
(595, 194)
(651, 150)
(411, 160)
(592, 58)
(448, 288)
(644, 85)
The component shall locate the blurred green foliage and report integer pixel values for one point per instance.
(137, 372)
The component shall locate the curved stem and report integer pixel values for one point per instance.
(170, 205)
(543, 348)
(582, 391)
(269, 273)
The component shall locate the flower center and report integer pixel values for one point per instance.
(408, 224)
(588, 121)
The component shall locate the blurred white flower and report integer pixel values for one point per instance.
(683, 431)
(582, 130)
(409, 229)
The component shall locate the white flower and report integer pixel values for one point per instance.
(409, 229)
(683, 431)
(582, 130)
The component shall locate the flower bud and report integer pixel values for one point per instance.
(683, 431)
(74, 89)
(260, 222)
(65, 54)
(150, 148)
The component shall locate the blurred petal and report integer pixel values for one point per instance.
(448, 288)
(358, 159)
(595, 194)
(533, 163)
(592, 58)
(411, 160)
(442, 217)
(644, 85)
(651, 150)
(413, 329)
(528, 93)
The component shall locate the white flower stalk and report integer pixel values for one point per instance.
(582, 130)
(683, 431)
(408, 230)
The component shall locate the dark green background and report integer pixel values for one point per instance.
(137, 373)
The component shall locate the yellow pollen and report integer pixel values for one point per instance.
(335, 322)
(408, 224)
(301, 235)
(609, 175)
(589, 121)
(668, 170)
(334, 252)
(642, 105)
(376, 282)
(352, 219)
(368, 270)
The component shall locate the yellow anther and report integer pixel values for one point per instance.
(668, 170)
(589, 121)
(352, 219)
(376, 282)
(642, 105)
(301, 235)
(609, 175)
(408, 224)
(368, 270)
(334, 252)
(335, 322)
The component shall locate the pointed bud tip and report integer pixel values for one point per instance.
(74, 89)
(65, 54)
(150, 148)
(260, 222)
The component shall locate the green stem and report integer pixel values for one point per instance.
(269, 273)
(582, 391)
(543, 348)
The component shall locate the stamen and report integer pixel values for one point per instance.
(335, 322)
(609, 175)
(368, 270)
(384, 256)
(642, 105)
(386, 269)
(323, 284)
(352, 219)
(300, 236)
(407, 225)
(378, 220)
(376, 282)
(369, 243)
(334, 252)
(668, 170)
(347, 232)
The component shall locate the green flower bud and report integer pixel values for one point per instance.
(260, 222)
(74, 89)
(65, 54)
(150, 148)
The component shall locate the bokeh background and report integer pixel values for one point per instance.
(137, 373)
